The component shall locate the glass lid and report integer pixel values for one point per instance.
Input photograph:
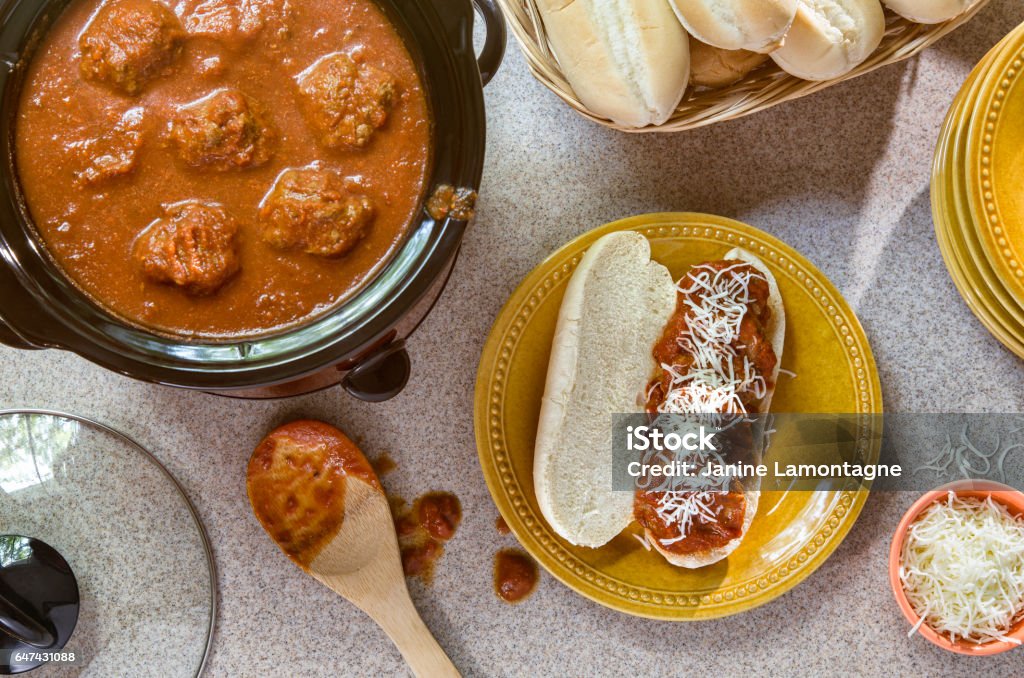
(140, 558)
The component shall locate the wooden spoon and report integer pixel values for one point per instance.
(319, 499)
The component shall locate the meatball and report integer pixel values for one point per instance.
(110, 155)
(129, 43)
(238, 20)
(222, 131)
(194, 246)
(311, 209)
(345, 102)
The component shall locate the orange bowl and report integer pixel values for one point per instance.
(1007, 496)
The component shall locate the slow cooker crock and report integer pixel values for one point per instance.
(360, 343)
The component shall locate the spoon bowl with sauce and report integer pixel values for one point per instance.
(319, 499)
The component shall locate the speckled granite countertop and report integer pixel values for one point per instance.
(842, 176)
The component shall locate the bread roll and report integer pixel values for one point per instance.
(615, 308)
(715, 67)
(755, 25)
(930, 11)
(831, 37)
(776, 335)
(627, 60)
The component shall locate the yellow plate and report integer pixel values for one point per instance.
(995, 165)
(955, 230)
(988, 286)
(792, 534)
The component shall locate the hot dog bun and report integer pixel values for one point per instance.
(615, 307)
(755, 25)
(829, 38)
(716, 67)
(628, 60)
(776, 334)
(930, 11)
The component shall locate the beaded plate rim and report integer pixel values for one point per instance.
(982, 182)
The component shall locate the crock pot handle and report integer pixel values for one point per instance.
(494, 39)
(9, 337)
(380, 377)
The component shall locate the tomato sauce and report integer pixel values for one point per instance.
(98, 162)
(296, 482)
(515, 575)
(424, 529)
(751, 343)
(383, 464)
(729, 509)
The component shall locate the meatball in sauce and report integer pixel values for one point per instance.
(222, 131)
(192, 246)
(130, 42)
(237, 21)
(311, 209)
(345, 102)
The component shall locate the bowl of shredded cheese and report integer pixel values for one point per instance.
(956, 566)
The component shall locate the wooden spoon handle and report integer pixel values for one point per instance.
(403, 624)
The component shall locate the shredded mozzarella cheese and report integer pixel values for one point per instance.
(712, 384)
(962, 568)
(968, 459)
(717, 300)
(642, 538)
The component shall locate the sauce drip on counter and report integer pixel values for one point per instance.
(515, 575)
(501, 526)
(439, 514)
(383, 464)
(296, 483)
(424, 529)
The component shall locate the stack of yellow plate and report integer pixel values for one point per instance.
(978, 191)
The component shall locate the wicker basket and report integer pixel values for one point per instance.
(763, 88)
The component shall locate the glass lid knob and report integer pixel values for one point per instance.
(38, 603)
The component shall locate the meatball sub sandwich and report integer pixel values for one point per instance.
(629, 338)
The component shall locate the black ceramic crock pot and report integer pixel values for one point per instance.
(360, 344)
